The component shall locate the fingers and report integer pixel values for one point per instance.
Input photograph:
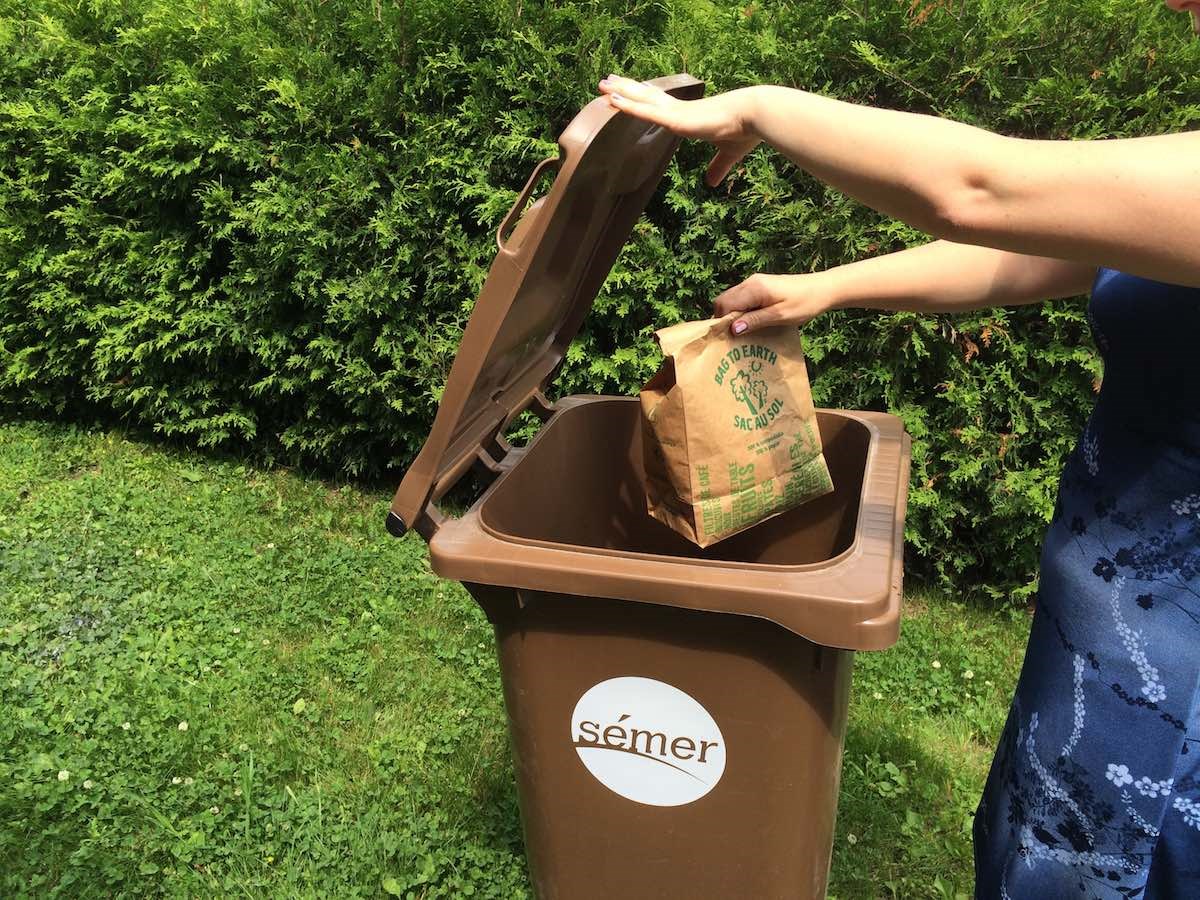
(637, 91)
(757, 319)
(722, 164)
(749, 294)
(758, 303)
(645, 101)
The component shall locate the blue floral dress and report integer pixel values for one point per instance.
(1095, 788)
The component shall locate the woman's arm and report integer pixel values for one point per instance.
(1132, 204)
(938, 277)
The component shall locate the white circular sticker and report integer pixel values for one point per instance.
(648, 741)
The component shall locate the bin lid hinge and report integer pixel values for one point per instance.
(426, 525)
(540, 406)
(492, 466)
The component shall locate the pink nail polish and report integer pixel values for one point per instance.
(739, 327)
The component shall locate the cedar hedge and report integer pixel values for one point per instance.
(261, 225)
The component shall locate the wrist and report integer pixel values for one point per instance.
(749, 110)
(828, 290)
(760, 102)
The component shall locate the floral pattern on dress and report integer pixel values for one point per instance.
(1094, 791)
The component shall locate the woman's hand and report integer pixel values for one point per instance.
(771, 300)
(722, 120)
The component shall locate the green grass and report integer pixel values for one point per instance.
(345, 732)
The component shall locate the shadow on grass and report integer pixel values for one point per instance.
(257, 455)
(498, 811)
(903, 819)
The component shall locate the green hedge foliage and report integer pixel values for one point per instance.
(261, 224)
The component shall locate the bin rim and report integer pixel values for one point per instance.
(574, 402)
(851, 601)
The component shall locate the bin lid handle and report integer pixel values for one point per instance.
(506, 227)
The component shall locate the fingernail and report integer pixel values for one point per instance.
(739, 326)
(604, 81)
(617, 97)
(609, 77)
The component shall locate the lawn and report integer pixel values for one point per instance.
(222, 680)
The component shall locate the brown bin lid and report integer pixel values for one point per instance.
(548, 269)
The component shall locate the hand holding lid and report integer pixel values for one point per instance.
(719, 120)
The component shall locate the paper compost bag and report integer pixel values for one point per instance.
(729, 431)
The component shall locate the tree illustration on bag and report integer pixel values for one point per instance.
(748, 389)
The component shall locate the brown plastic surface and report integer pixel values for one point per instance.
(568, 516)
(764, 832)
(583, 586)
(541, 286)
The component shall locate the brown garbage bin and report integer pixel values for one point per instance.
(677, 714)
